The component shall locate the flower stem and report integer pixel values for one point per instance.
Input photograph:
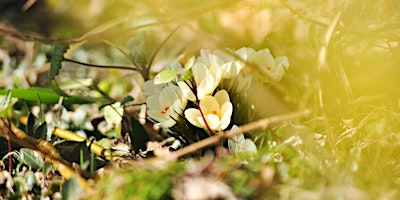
(204, 118)
(194, 90)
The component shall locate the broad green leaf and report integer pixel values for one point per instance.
(165, 76)
(45, 95)
(6, 103)
(30, 158)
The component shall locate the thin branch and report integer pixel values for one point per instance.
(151, 60)
(297, 14)
(131, 60)
(100, 66)
(260, 124)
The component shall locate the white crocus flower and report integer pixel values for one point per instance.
(217, 111)
(151, 89)
(266, 64)
(206, 81)
(239, 143)
(223, 59)
(167, 106)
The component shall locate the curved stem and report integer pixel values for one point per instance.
(204, 119)
(99, 66)
(194, 90)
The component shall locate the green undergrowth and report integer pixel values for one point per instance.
(344, 68)
(300, 164)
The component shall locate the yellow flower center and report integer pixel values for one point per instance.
(268, 67)
(215, 112)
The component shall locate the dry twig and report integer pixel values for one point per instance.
(44, 148)
(260, 124)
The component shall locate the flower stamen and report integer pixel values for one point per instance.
(165, 110)
(215, 112)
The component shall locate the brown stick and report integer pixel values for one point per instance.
(260, 124)
(44, 148)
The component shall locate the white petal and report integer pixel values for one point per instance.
(282, 61)
(209, 105)
(205, 87)
(156, 116)
(245, 53)
(222, 97)
(216, 73)
(235, 143)
(167, 124)
(227, 109)
(263, 60)
(200, 72)
(249, 146)
(153, 103)
(151, 89)
(192, 115)
(213, 122)
(168, 96)
(186, 91)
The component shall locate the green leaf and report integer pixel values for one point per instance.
(6, 103)
(56, 59)
(189, 64)
(46, 95)
(137, 133)
(33, 123)
(187, 73)
(57, 89)
(41, 131)
(55, 66)
(30, 158)
(71, 151)
(165, 76)
(127, 99)
(104, 105)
